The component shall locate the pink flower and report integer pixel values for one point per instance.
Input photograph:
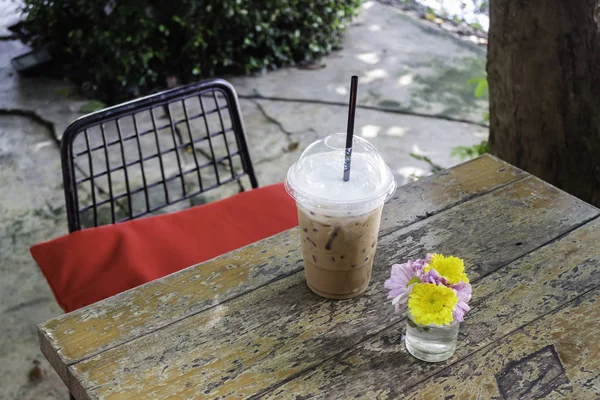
(463, 292)
(402, 278)
(431, 276)
(421, 262)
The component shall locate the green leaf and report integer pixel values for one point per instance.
(433, 166)
(178, 20)
(481, 89)
(468, 152)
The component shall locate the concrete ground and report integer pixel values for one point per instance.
(412, 90)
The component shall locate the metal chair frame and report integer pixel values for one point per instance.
(132, 108)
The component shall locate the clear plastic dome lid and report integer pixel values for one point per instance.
(316, 179)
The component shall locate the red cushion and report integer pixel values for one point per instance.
(90, 265)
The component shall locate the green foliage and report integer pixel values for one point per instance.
(481, 86)
(125, 47)
(433, 166)
(481, 90)
(477, 26)
(468, 152)
(484, 7)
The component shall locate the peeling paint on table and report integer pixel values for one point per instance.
(245, 324)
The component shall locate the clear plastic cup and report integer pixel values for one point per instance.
(339, 221)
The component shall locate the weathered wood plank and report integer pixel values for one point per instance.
(438, 192)
(246, 345)
(557, 356)
(502, 302)
(132, 314)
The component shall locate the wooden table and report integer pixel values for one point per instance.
(246, 325)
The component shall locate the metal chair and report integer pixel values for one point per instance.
(149, 154)
(143, 156)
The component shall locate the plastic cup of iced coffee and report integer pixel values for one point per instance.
(339, 220)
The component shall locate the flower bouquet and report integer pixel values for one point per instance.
(437, 292)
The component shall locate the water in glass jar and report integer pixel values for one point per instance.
(431, 343)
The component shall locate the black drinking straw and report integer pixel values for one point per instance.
(350, 131)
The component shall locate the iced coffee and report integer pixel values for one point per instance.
(339, 221)
(338, 251)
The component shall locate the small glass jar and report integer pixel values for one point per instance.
(431, 343)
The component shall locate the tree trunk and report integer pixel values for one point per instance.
(544, 84)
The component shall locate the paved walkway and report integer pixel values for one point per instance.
(409, 71)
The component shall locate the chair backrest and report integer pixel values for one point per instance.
(138, 157)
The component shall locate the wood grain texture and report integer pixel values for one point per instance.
(503, 302)
(136, 312)
(557, 356)
(435, 193)
(251, 343)
(91, 330)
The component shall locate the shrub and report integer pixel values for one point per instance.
(122, 47)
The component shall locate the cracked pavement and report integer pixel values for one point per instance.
(413, 97)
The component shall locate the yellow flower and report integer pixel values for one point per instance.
(429, 303)
(451, 268)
